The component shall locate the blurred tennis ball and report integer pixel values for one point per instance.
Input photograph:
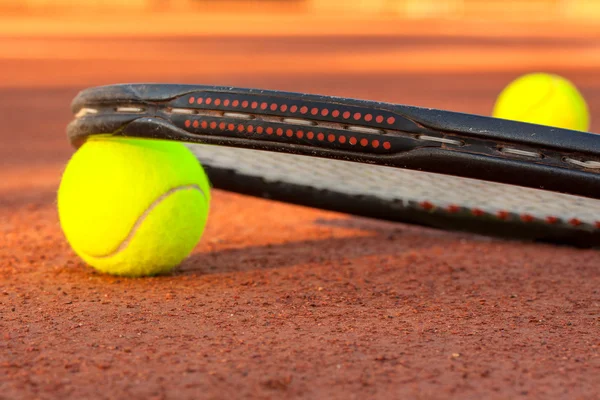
(544, 99)
(133, 207)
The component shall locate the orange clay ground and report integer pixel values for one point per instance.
(279, 301)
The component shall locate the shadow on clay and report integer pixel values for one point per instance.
(380, 239)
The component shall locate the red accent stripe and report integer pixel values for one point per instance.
(527, 218)
(426, 205)
(453, 208)
(575, 222)
(503, 214)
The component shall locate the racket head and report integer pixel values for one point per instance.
(400, 163)
(401, 195)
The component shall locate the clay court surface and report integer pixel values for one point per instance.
(279, 301)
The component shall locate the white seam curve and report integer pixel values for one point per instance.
(142, 217)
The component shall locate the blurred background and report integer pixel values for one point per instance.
(451, 54)
(539, 9)
(438, 53)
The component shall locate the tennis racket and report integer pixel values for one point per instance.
(416, 165)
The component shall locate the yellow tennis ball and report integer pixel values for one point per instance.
(133, 207)
(543, 99)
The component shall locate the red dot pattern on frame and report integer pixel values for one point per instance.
(288, 132)
(343, 115)
(309, 109)
(502, 215)
(302, 109)
(505, 215)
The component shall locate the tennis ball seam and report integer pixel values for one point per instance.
(140, 220)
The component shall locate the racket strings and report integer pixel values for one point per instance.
(409, 189)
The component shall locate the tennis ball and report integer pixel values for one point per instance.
(543, 99)
(133, 207)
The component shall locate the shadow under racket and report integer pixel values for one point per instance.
(416, 197)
